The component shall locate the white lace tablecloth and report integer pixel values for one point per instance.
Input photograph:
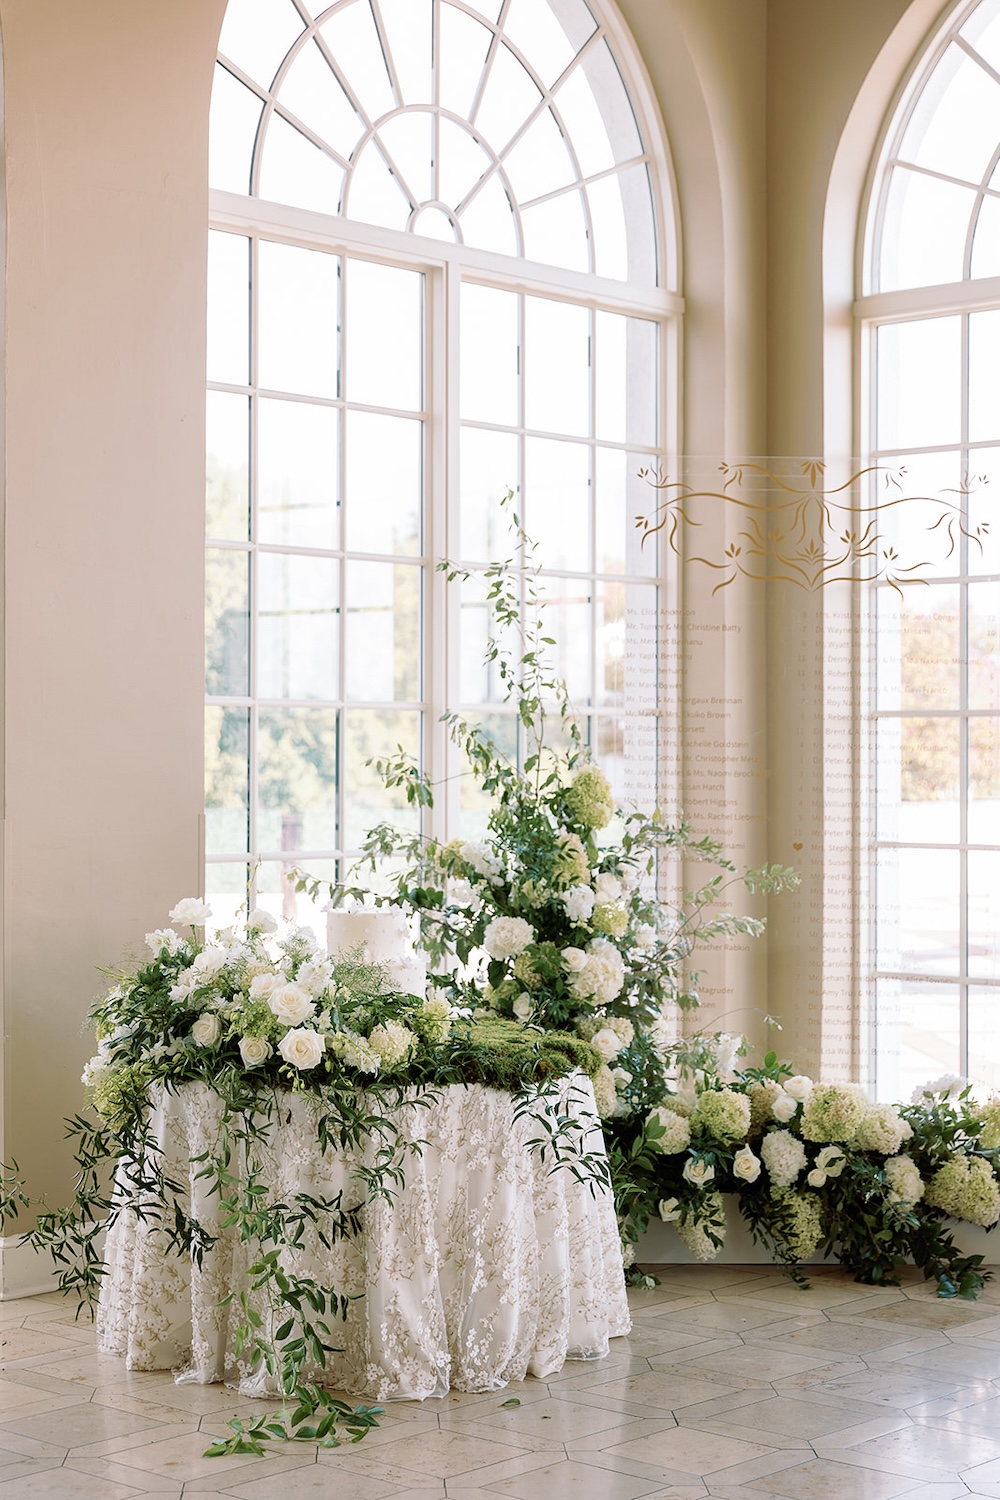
(487, 1265)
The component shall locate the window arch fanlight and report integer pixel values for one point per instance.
(929, 318)
(441, 264)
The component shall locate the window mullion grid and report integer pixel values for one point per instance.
(521, 742)
(594, 353)
(446, 535)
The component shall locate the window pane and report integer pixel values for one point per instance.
(298, 626)
(984, 646)
(489, 352)
(984, 1035)
(350, 33)
(984, 541)
(227, 445)
(984, 914)
(312, 93)
(557, 367)
(408, 28)
(569, 621)
(463, 45)
(621, 497)
(474, 803)
(369, 733)
(227, 780)
(461, 162)
(235, 115)
(384, 312)
(918, 910)
(488, 221)
(274, 891)
(256, 34)
(549, 36)
(226, 892)
(919, 659)
(297, 474)
(557, 502)
(956, 123)
(555, 233)
(508, 98)
(984, 781)
(626, 379)
(625, 747)
(919, 383)
(228, 308)
(919, 780)
(298, 334)
(984, 376)
(540, 162)
(919, 1035)
(407, 140)
(489, 469)
(384, 464)
(383, 632)
(294, 170)
(924, 232)
(297, 779)
(227, 624)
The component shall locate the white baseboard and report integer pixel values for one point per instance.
(24, 1272)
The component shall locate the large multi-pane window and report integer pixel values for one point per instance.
(931, 333)
(439, 270)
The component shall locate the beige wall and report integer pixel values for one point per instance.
(106, 127)
(105, 107)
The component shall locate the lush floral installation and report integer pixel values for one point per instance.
(557, 920)
(258, 1014)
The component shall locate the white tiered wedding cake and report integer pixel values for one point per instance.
(383, 935)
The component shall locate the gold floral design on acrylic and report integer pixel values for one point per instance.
(797, 530)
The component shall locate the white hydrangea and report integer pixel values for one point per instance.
(391, 1042)
(355, 1051)
(644, 936)
(314, 976)
(461, 892)
(481, 858)
(601, 978)
(784, 1157)
(948, 1086)
(506, 937)
(905, 1182)
(579, 903)
(882, 1130)
(676, 1135)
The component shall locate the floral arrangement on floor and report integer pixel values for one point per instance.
(557, 920)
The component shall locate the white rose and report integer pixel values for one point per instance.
(783, 1108)
(303, 1048)
(698, 1172)
(831, 1160)
(191, 910)
(579, 903)
(816, 1178)
(607, 1042)
(291, 1003)
(574, 959)
(254, 1051)
(261, 921)
(622, 1077)
(670, 1210)
(746, 1166)
(607, 888)
(523, 1006)
(208, 963)
(800, 1087)
(262, 985)
(207, 1029)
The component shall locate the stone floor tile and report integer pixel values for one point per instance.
(570, 1480)
(824, 1480)
(74, 1426)
(315, 1483)
(688, 1450)
(62, 1484)
(444, 1454)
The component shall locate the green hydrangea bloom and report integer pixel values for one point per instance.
(589, 799)
(724, 1113)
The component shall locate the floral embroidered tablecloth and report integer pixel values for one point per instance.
(486, 1265)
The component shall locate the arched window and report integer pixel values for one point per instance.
(930, 316)
(441, 266)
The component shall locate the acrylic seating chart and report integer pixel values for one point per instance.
(487, 1264)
